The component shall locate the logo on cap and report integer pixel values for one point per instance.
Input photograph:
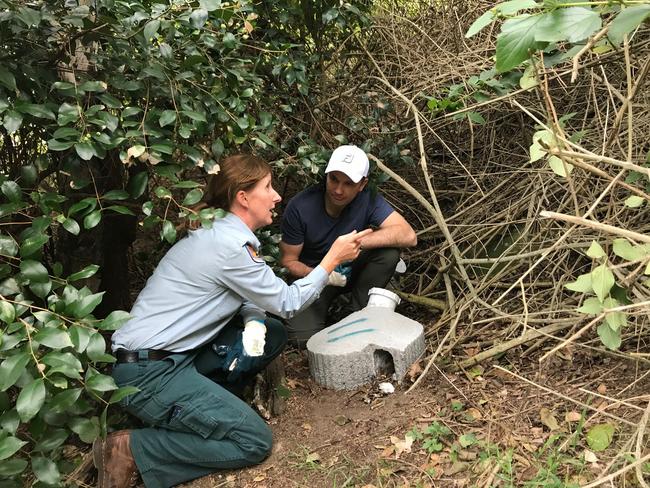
(348, 158)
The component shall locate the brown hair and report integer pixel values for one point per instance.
(237, 172)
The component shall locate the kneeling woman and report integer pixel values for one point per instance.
(199, 329)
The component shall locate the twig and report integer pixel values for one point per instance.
(427, 302)
(564, 397)
(625, 469)
(587, 47)
(596, 225)
(640, 433)
(529, 335)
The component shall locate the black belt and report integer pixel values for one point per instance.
(124, 356)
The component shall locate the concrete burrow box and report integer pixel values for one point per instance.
(375, 340)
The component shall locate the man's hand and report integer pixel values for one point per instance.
(254, 337)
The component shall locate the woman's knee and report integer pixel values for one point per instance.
(276, 330)
(255, 441)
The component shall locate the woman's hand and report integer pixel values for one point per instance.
(345, 248)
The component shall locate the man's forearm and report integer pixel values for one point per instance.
(389, 237)
(297, 269)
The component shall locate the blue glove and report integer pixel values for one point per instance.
(237, 361)
(344, 269)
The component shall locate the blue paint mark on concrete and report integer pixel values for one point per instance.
(346, 325)
(362, 331)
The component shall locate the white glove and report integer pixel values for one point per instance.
(253, 337)
(337, 279)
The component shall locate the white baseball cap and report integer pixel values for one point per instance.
(350, 160)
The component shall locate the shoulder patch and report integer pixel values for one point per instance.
(253, 254)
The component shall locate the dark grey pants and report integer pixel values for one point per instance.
(373, 268)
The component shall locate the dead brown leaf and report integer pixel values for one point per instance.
(548, 419)
(573, 416)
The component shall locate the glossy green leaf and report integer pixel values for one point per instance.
(571, 24)
(11, 190)
(110, 101)
(138, 184)
(602, 280)
(33, 244)
(479, 24)
(61, 402)
(93, 86)
(72, 226)
(34, 271)
(11, 369)
(193, 196)
(12, 121)
(56, 145)
(168, 232)
(80, 337)
(86, 429)
(114, 320)
(116, 195)
(167, 117)
(100, 383)
(150, 29)
(122, 393)
(92, 219)
(9, 446)
(40, 111)
(600, 436)
(53, 338)
(86, 305)
(41, 290)
(96, 348)
(194, 115)
(30, 400)
(7, 312)
(87, 272)
(51, 440)
(626, 21)
(12, 467)
(121, 209)
(517, 41)
(7, 78)
(85, 150)
(46, 470)
(198, 18)
(8, 246)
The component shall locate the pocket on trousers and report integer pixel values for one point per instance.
(188, 417)
(211, 418)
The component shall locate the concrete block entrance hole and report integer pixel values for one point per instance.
(375, 341)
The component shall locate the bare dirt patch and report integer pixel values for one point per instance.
(507, 423)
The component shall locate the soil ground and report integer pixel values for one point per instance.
(506, 423)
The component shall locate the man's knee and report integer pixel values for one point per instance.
(388, 256)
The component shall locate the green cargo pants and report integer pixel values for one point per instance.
(195, 425)
(373, 268)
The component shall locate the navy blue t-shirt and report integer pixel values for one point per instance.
(306, 222)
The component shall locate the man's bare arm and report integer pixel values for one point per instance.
(289, 258)
(394, 231)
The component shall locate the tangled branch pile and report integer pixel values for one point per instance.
(488, 253)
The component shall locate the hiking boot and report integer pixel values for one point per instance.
(114, 462)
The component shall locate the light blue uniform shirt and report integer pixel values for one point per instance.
(202, 282)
